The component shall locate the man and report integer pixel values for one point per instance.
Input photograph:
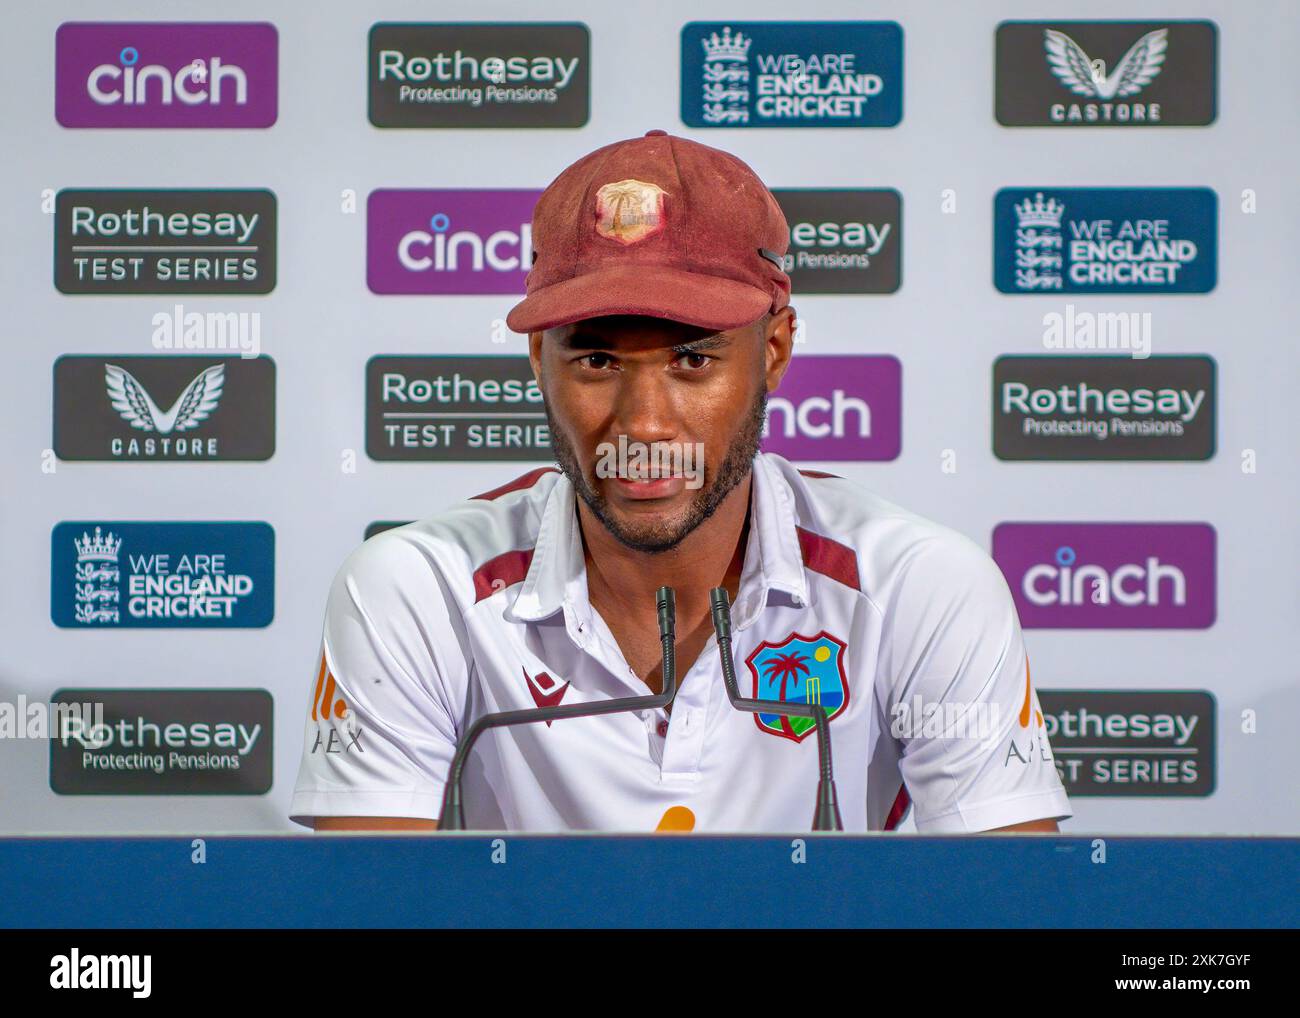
(658, 320)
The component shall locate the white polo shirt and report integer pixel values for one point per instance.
(903, 629)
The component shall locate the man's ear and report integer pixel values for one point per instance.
(535, 355)
(778, 345)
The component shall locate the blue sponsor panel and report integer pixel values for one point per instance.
(1105, 240)
(109, 574)
(792, 74)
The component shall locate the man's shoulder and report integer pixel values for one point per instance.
(897, 550)
(451, 548)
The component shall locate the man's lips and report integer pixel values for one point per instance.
(651, 487)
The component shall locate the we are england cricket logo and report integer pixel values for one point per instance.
(1106, 73)
(792, 74)
(1105, 240)
(156, 575)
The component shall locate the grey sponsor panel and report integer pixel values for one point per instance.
(1104, 408)
(1106, 73)
(455, 409)
(164, 408)
(167, 241)
(1133, 742)
(843, 240)
(479, 75)
(164, 742)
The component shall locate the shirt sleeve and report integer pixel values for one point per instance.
(387, 690)
(974, 753)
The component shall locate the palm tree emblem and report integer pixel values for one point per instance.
(786, 667)
(629, 210)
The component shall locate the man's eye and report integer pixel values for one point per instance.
(694, 361)
(595, 360)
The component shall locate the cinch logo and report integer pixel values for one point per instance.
(137, 74)
(792, 74)
(1109, 575)
(440, 242)
(1105, 240)
(1106, 73)
(175, 575)
(837, 409)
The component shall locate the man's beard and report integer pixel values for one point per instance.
(662, 536)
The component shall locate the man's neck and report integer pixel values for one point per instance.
(623, 580)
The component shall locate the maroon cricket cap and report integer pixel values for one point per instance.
(657, 225)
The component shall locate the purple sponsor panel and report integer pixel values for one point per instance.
(1109, 575)
(837, 408)
(449, 241)
(159, 74)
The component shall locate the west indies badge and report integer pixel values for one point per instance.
(799, 669)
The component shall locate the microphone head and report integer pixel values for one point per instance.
(720, 607)
(666, 603)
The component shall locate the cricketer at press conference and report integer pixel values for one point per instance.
(658, 314)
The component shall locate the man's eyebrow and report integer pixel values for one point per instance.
(714, 342)
(585, 340)
(582, 340)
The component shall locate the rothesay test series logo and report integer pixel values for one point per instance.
(170, 240)
(443, 408)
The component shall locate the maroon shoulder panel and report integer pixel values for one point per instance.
(503, 571)
(519, 483)
(830, 558)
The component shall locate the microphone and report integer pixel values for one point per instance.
(826, 815)
(452, 817)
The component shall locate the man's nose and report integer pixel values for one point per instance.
(645, 409)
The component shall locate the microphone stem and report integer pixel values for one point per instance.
(452, 817)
